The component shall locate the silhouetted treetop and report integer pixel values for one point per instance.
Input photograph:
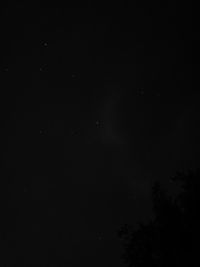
(171, 238)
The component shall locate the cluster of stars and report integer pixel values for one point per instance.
(45, 44)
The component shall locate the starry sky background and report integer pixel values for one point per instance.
(97, 103)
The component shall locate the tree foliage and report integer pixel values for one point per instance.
(171, 239)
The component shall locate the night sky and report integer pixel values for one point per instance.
(97, 103)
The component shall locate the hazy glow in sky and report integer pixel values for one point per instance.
(109, 134)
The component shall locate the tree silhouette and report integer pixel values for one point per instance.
(171, 238)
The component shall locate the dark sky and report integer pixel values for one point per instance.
(97, 103)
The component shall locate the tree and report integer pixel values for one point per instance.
(171, 239)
